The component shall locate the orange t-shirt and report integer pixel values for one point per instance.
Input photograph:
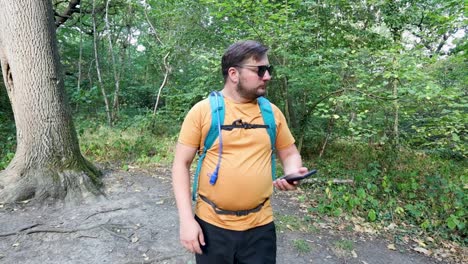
(244, 178)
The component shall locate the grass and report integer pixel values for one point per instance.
(301, 245)
(344, 244)
(130, 145)
(293, 223)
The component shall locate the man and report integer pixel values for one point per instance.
(219, 233)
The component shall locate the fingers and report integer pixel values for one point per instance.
(303, 170)
(283, 185)
(201, 238)
(197, 248)
(192, 238)
(200, 242)
(192, 246)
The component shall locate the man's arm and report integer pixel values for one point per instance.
(292, 163)
(191, 235)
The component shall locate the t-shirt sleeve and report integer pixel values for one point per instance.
(284, 138)
(190, 132)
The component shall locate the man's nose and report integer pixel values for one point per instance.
(267, 76)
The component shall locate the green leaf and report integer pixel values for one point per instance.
(372, 215)
(452, 222)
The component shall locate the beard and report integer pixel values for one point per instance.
(252, 93)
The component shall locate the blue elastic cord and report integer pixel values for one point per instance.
(214, 175)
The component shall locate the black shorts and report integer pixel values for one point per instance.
(223, 246)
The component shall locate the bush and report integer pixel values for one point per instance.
(388, 186)
(129, 143)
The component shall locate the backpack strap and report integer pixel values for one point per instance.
(217, 119)
(269, 119)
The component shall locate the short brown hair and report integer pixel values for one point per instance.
(239, 52)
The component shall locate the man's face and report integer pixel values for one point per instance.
(251, 85)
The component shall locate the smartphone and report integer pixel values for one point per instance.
(290, 178)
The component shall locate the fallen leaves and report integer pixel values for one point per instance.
(423, 251)
(135, 239)
(391, 226)
(420, 242)
(391, 246)
(364, 228)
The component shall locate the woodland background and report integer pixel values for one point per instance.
(374, 91)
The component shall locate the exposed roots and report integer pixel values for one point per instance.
(40, 184)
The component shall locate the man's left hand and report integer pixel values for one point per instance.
(283, 185)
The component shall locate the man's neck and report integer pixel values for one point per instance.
(231, 94)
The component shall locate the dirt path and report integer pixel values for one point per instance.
(138, 223)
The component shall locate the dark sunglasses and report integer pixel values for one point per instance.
(261, 69)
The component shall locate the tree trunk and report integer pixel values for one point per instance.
(80, 59)
(80, 56)
(396, 105)
(114, 65)
(166, 74)
(98, 69)
(47, 163)
(287, 112)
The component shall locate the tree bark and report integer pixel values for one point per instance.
(396, 105)
(114, 64)
(166, 75)
(98, 69)
(48, 163)
(80, 56)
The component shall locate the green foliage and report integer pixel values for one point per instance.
(6, 155)
(294, 223)
(441, 123)
(344, 244)
(7, 135)
(343, 72)
(131, 143)
(409, 187)
(301, 245)
(378, 75)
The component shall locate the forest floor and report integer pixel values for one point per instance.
(137, 222)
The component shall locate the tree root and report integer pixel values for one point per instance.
(116, 234)
(19, 230)
(28, 229)
(104, 211)
(39, 185)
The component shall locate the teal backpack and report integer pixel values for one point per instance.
(217, 121)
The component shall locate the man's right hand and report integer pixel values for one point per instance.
(191, 236)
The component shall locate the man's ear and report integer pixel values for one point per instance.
(233, 75)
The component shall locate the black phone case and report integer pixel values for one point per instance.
(290, 178)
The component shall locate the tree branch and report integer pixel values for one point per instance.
(332, 181)
(442, 43)
(166, 75)
(151, 25)
(62, 18)
(373, 96)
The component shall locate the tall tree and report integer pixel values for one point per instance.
(47, 162)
